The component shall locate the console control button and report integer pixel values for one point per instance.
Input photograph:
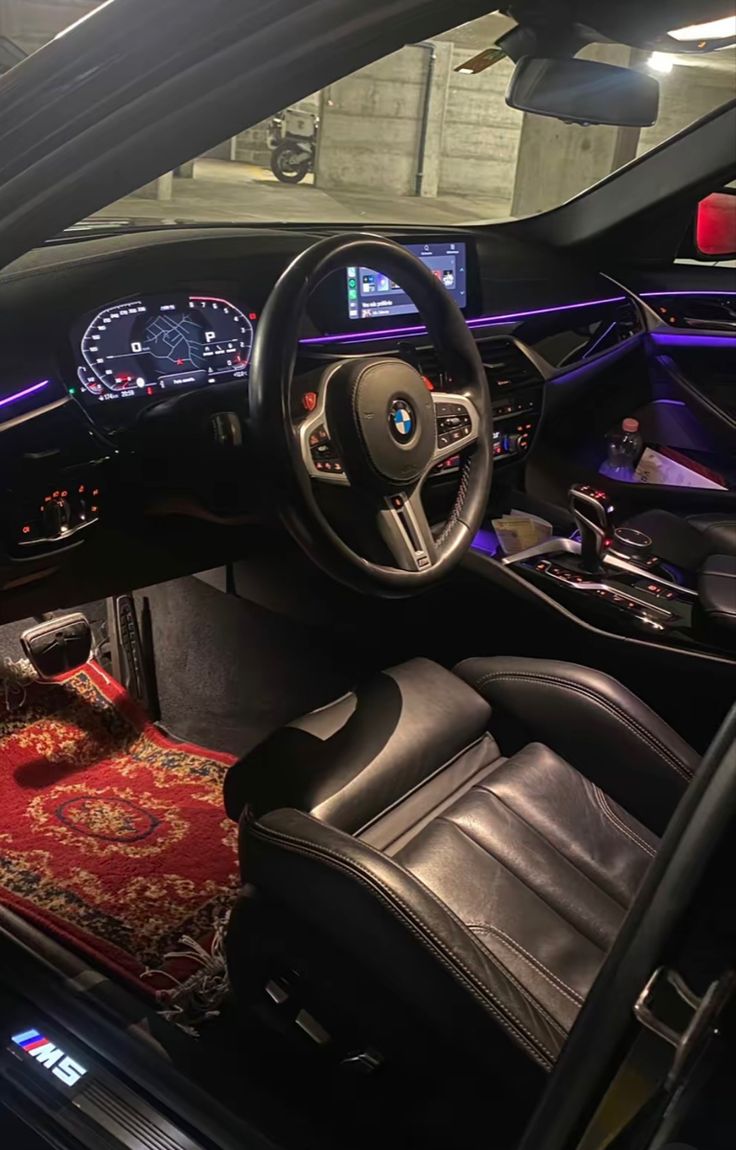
(60, 514)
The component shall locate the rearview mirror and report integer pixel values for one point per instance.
(715, 225)
(584, 92)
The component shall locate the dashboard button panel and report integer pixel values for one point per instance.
(59, 515)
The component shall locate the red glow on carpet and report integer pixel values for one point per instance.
(113, 837)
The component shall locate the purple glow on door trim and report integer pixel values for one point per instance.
(654, 294)
(681, 339)
(22, 394)
(482, 321)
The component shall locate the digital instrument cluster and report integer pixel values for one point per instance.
(145, 347)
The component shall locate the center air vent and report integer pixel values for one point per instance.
(426, 361)
(507, 367)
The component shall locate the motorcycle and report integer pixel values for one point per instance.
(293, 142)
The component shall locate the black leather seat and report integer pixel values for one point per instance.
(687, 541)
(445, 859)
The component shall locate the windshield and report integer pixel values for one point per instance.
(411, 139)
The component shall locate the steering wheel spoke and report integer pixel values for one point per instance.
(321, 459)
(458, 425)
(404, 527)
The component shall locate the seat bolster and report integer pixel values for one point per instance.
(344, 889)
(352, 761)
(719, 531)
(597, 725)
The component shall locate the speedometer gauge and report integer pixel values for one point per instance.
(156, 343)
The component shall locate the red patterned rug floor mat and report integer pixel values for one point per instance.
(112, 836)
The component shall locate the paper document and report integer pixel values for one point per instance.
(653, 467)
(520, 530)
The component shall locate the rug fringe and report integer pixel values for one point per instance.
(194, 1000)
(16, 674)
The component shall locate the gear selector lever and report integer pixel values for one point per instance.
(591, 509)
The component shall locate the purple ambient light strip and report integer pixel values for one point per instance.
(697, 291)
(483, 321)
(22, 394)
(675, 339)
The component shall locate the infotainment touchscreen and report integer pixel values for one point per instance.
(373, 295)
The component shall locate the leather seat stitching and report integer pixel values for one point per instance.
(563, 987)
(420, 929)
(601, 800)
(450, 961)
(645, 736)
(528, 885)
(570, 862)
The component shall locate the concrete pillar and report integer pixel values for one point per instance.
(160, 189)
(185, 171)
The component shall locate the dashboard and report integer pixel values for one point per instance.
(125, 360)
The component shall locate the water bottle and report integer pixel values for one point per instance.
(625, 445)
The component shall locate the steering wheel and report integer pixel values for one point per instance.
(347, 477)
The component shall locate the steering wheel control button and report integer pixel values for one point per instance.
(402, 420)
(322, 451)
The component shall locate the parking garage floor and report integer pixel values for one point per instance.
(220, 191)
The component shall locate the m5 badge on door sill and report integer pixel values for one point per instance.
(50, 1057)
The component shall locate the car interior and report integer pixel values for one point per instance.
(351, 671)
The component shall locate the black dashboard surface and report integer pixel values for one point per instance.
(46, 296)
(82, 318)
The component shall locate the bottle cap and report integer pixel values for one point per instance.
(631, 425)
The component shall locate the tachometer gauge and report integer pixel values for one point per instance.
(156, 343)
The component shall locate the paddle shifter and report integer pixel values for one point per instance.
(591, 508)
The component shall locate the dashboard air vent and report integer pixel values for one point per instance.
(426, 361)
(507, 367)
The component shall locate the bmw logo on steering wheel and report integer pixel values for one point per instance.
(401, 420)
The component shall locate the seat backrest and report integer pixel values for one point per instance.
(356, 759)
(324, 806)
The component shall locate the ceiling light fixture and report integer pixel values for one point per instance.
(661, 62)
(715, 30)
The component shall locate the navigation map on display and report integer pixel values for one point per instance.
(176, 340)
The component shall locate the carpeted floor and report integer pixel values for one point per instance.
(112, 837)
(230, 672)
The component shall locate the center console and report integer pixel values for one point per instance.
(609, 576)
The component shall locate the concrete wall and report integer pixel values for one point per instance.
(370, 123)
(691, 90)
(481, 138)
(32, 23)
